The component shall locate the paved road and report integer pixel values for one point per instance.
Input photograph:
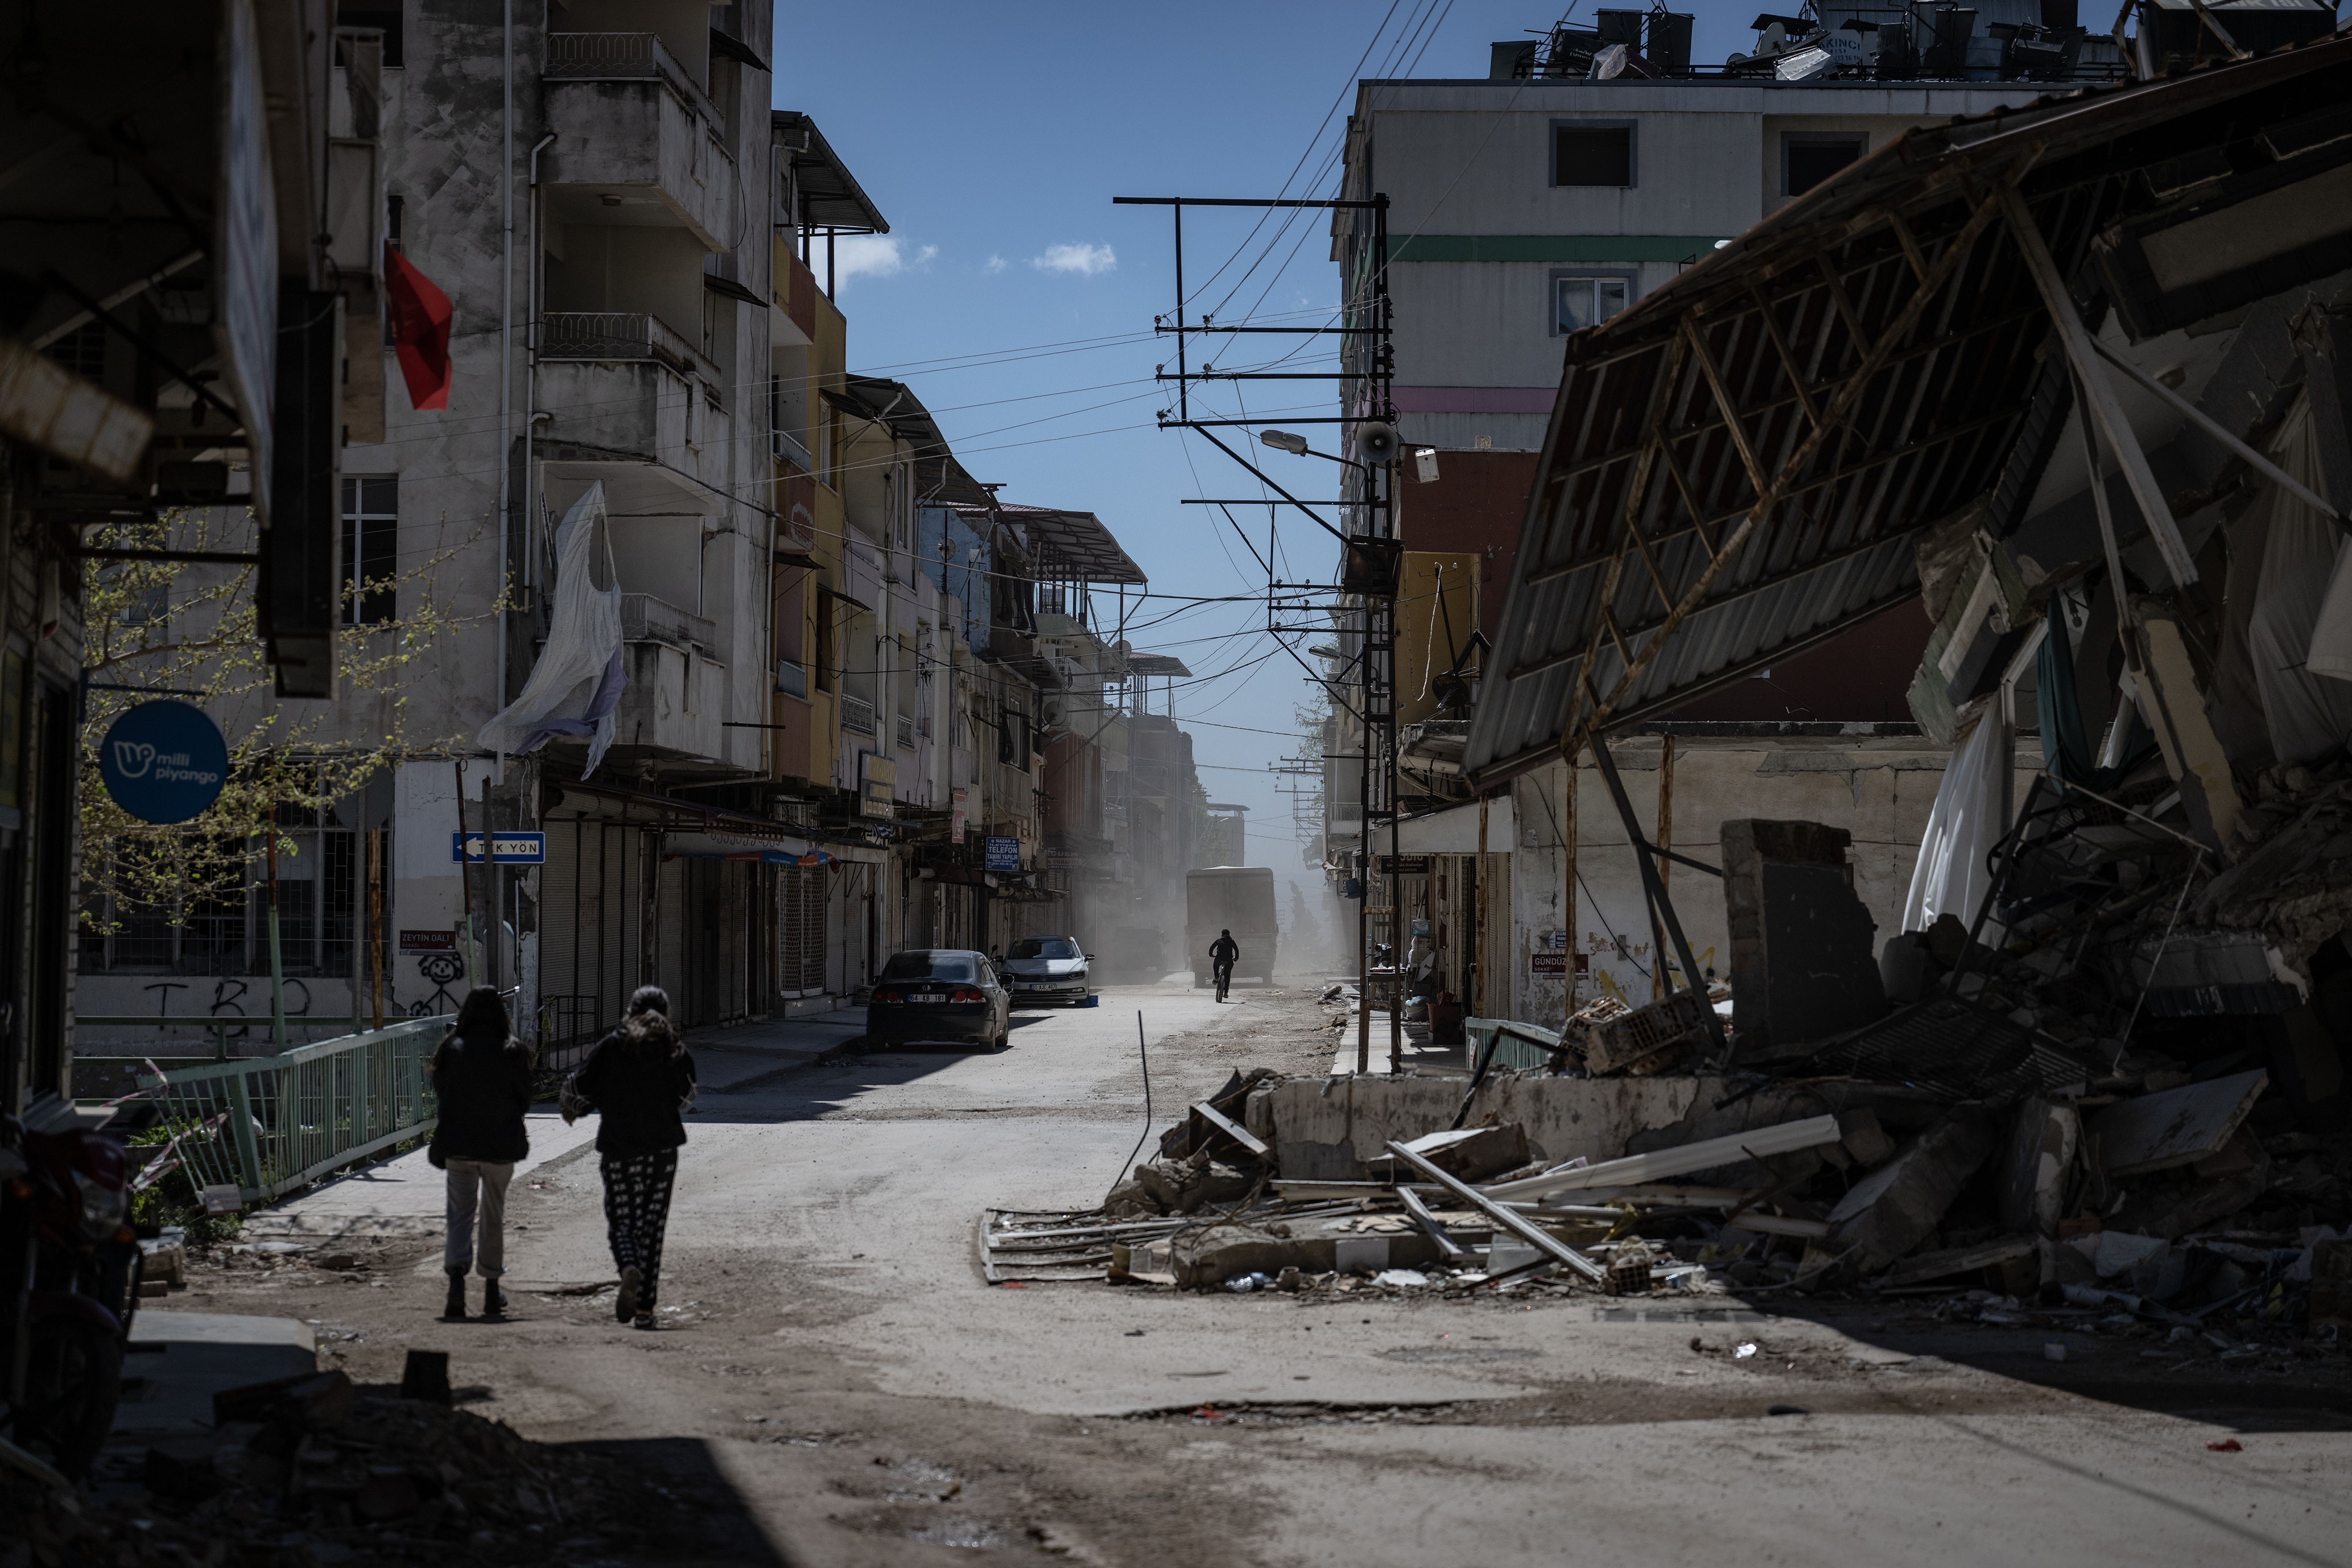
(826, 1331)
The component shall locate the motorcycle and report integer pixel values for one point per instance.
(70, 1268)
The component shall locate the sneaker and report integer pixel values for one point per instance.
(625, 1305)
(645, 1320)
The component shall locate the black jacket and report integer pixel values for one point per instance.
(1224, 950)
(637, 1089)
(484, 1088)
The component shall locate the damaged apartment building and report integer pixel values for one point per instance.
(2071, 378)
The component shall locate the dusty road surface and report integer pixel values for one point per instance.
(830, 1358)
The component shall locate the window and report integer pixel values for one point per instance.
(1809, 157)
(388, 17)
(1581, 300)
(82, 351)
(371, 551)
(1592, 153)
(929, 964)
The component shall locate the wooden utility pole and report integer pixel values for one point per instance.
(466, 874)
(1568, 888)
(1478, 934)
(375, 921)
(1664, 841)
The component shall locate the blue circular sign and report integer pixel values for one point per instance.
(164, 762)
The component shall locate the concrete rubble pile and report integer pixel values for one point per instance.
(309, 1469)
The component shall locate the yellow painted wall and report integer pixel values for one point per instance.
(1437, 612)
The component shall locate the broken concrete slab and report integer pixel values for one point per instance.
(1472, 1154)
(1761, 1142)
(2114, 1252)
(1216, 1253)
(1328, 1128)
(1892, 1210)
(1864, 1138)
(2043, 1140)
(2176, 1127)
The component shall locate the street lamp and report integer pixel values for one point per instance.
(1283, 440)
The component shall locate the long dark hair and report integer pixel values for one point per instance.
(481, 1018)
(648, 1031)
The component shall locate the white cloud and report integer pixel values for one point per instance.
(876, 255)
(1084, 260)
(994, 265)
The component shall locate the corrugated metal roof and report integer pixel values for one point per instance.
(1879, 340)
(1071, 546)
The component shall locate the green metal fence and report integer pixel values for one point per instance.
(291, 1117)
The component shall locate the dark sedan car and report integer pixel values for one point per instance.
(940, 994)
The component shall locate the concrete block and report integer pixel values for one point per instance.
(2043, 1140)
(1801, 964)
(1328, 1128)
(1864, 1138)
(1215, 1255)
(1891, 1211)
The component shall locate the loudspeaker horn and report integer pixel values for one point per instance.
(1377, 442)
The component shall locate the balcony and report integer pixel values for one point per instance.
(636, 139)
(632, 404)
(787, 448)
(676, 694)
(645, 619)
(856, 715)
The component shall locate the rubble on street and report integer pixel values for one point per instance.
(312, 1469)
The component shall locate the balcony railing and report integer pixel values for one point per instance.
(787, 446)
(856, 715)
(905, 732)
(618, 335)
(622, 57)
(645, 619)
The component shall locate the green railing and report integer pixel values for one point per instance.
(291, 1117)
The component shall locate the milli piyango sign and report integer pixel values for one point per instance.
(164, 762)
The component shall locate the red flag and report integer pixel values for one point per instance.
(420, 331)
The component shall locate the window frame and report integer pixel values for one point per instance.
(1790, 140)
(1633, 129)
(354, 521)
(1556, 276)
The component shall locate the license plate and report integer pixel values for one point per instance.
(928, 996)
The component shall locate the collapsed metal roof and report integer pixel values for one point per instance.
(1070, 546)
(938, 476)
(1736, 467)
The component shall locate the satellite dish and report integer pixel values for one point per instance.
(1376, 442)
(1775, 35)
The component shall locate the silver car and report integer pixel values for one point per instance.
(1048, 969)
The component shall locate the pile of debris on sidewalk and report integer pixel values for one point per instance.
(309, 1469)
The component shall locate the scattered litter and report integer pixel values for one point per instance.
(2227, 1445)
(1746, 1347)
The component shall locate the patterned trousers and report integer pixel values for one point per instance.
(636, 1211)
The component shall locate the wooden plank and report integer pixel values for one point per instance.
(1785, 1139)
(1232, 1129)
(1527, 1230)
(1957, 1259)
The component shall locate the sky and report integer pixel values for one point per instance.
(1018, 301)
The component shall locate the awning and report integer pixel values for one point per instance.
(1736, 467)
(830, 195)
(1073, 546)
(707, 846)
(1454, 831)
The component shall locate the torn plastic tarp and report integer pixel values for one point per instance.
(2308, 715)
(1966, 820)
(577, 682)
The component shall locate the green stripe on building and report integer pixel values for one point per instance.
(1618, 248)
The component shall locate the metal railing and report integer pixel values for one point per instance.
(288, 1119)
(645, 619)
(618, 335)
(219, 1025)
(622, 56)
(857, 714)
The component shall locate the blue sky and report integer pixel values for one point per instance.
(993, 138)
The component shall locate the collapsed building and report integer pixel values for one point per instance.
(2073, 376)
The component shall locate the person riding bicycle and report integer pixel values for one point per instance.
(1222, 953)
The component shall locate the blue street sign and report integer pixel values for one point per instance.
(164, 762)
(506, 848)
(1003, 854)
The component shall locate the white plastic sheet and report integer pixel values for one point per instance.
(2306, 715)
(576, 684)
(1966, 820)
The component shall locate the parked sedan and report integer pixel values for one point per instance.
(940, 994)
(1046, 969)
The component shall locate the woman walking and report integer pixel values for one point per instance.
(638, 1080)
(481, 1076)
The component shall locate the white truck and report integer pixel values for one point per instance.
(1239, 899)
